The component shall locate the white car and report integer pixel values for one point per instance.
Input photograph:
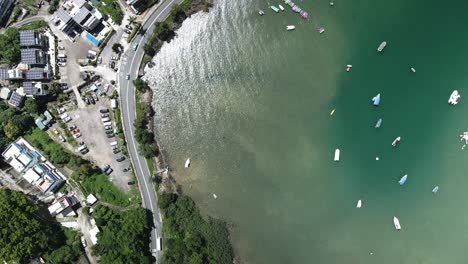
(62, 138)
(127, 77)
(61, 47)
(61, 64)
(77, 135)
(67, 119)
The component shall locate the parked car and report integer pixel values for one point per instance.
(95, 98)
(128, 27)
(110, 135)
(115, 58)
(127, 77)
(109, 171)
(107, 127)
(135, 46)
(77, 135)
(83, 241)
(106, 168)
(121, 158)
(126, 169)
(108, 132)
(62, 138)
(61, 47)
(131, 182)
(90, 98)
(72, 127)
(61, 64)
(116, 151)
(62, 60)
(61, 110)
(127, 31)
(76, 130)
(86, 100)
(55, 131)
(104, 115)
(81, 143)
(67, 119)
(115, 147)
(103, 111)
(84, 151)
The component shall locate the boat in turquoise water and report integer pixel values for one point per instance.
(376, 100)
(435, 189)
(378, 123)
(297, 9)
(274, 8)
(403, 179)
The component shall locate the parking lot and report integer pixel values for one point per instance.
(89, 121)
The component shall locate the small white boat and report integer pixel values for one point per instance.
(215, 196)
(332, 4)
(395, 142)
(332, 111)
(348, 67)
(413, 69)
(187, 163)
(396, 222)
(359, 204)
(403, 179)
(290, 27)
(454, 98)
(281, 7)
(435, 190)
(260, 12)
(382, 46)
(337, 155)
(274, 8)
(320, 30)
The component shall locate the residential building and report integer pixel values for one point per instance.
(16, 100)
(32, 39)
(32, 89)
(5, 93)
(62, 203)
(33, 57)
(34, 168)
(42, 123)
(11, 74)
(5, 8)
(77, 15)
(37, 74)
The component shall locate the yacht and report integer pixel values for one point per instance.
(187, 163)
(290, 27)
(396, 222)
(281, 7)
(454, 98)
(215, 196)
(403, 179)
(359, 204)
(382, 46)
(320, 30)
(436, 189)
(337, 155)
(413, 69)
(332, 111)
(348, 67)
(376, 100)
(274, 8)
(260, 12)
(395, 142)
(378, 123)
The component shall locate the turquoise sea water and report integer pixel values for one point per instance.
(249, 103)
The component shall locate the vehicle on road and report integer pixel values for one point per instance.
(109, 171)
(121, 158)
(77, 135)
(62, 138)
(135, 47)
(108, 132)
(67, 119)
(131, 182)
(107, 127)
(61, 64)
(127, 77)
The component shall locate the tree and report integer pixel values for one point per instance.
(30, 106)
(131, 19)
(17, 126)
(141, 85)
(54, 89)
(9, 41)
(23, 234)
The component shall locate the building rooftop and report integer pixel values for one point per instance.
(91, 199)
(82, 15)
(33, 56)
(63, 15)
(37, 74)
(16, 99)
(5, 93)
(30, 38)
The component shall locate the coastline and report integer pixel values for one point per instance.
(220, 237)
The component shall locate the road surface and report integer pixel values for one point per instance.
(130, 65)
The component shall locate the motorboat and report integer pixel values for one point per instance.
(413, 69)
(215, 196)
(395, 142)
(382, 46)
(281, 7)
(396, 222)
(337, 155)
(187, 163)
(348, 67)
(435, 190)
(403, 179)
(332, 4)
(359, 204)
(320, 30)
(332, 112)
(274, 8)
(290, 27)
(454, 98)
(379, 122)
(376, 100)
(260, 12)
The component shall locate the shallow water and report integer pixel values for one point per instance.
(249, 103)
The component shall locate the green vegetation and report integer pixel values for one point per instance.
(53, 6)
(25, 234)
(13, 123)
(124, 236)
(117, 48)
(103, 43)
(145, 138)
(135, 30)
(29, 5)
(35, 25)
(106, 191)
(140, 85)
(111, 8)
(188, 237)
(10, 52)
(150, 163)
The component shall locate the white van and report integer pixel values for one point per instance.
(109, 123)
(61, 55)
(81, 148)
(105, 119)
(114, 143)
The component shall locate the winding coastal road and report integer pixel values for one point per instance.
(129, 66)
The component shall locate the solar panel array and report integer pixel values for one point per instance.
(16, 99)
(27, 38)
(30, 89)
(35, 74)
